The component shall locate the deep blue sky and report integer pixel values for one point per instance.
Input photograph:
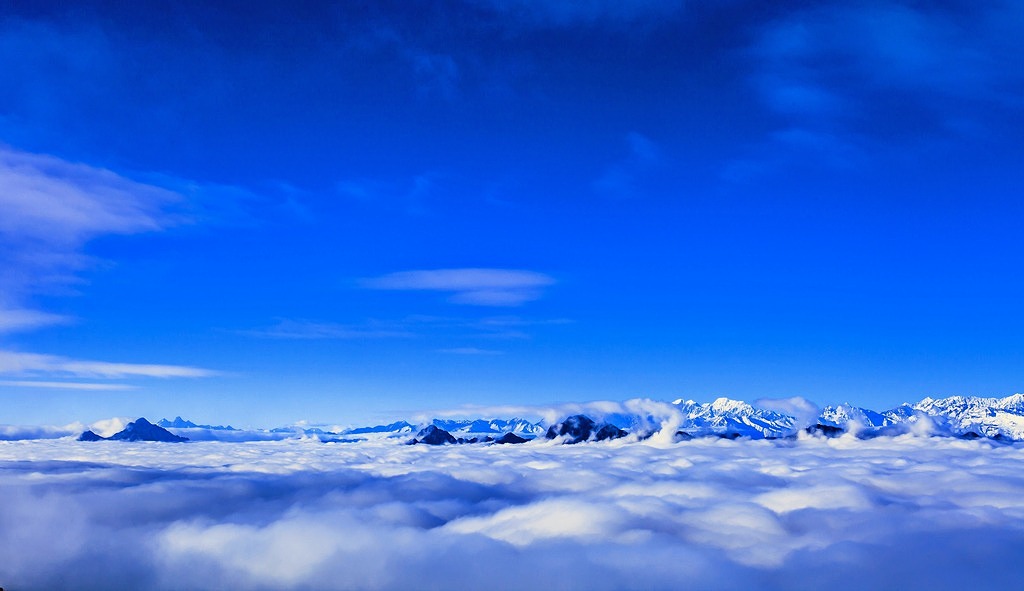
(260, 212)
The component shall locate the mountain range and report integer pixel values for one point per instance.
(957, 416)
(997, 418)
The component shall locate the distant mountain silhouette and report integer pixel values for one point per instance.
(180, 423)
(578, 428)
(138, 430)
(433, 435)
(511, 438)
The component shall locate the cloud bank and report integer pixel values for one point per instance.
(841, 514)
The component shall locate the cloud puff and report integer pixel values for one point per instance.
(474, 286)
(706, 513)
(803, 410)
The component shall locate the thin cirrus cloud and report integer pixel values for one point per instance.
(37, 364)
(947, 68)
(548, 13)
(622, 178)
(89, 386)
(472, 286)
(51, 209)
(55, 202)
(22, 320)
(306, 330)
(470, 351)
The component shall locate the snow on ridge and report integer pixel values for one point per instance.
(489, 426)
(726, 416)
(999, 418)
(990, 417)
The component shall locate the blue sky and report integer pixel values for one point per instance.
(264, 213)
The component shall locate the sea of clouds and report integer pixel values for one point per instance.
(907, 512)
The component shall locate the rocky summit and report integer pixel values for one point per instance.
(579, 428)
(142, 430)
(433, 435)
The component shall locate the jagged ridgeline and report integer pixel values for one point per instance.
(998, 419)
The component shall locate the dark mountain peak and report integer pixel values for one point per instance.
(177, 423)
(433, 435)
(608, 431)
(510, 438)
(577, 428)
(825, 430)
(90, 436)
(142, 430)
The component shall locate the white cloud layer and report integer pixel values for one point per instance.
(480, 287)
(889, 513)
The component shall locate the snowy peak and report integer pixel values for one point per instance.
(994, 418)
(733, 418)
(848, 416)
(180, 423)
(396, 427)
(138, 430)
(489, 426)
(991, 417)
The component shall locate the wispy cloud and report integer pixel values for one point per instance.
(555, 13)
(850, 84)
(92, 386)
(306, 330)
(470, 351)
(411, 195)
(58, 203)
(20, 320)
(474, 286)
(621, 178)
(847, 78)
(36, 364)
(51, 209)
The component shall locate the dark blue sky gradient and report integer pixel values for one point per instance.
(731, 198)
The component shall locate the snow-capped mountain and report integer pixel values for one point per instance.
(985, 416)
(489, 426)
(180, 423)
(398, 427)
(961, 416)
(733, 417)
(847, 416)
(955, 415)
